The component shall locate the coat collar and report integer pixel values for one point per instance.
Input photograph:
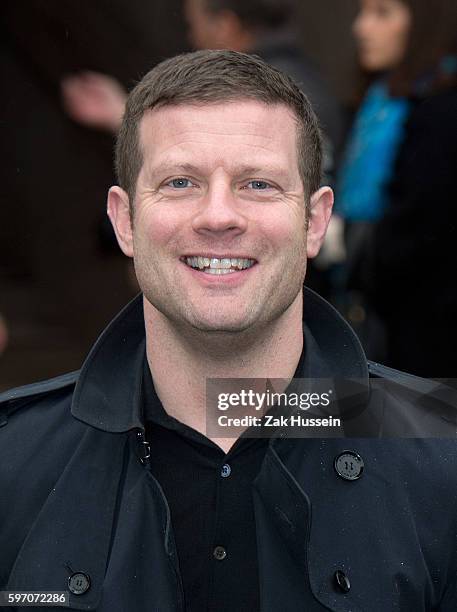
(112, 402)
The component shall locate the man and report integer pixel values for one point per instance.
(111, 489)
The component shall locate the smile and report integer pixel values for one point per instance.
(215, 265)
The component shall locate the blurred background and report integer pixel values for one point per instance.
(62, 277)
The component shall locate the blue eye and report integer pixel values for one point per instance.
(180, 183)
(259, 185)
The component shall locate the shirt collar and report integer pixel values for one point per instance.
(108, 394)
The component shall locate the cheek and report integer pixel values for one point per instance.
(158, 228)
(286, 231)
(393, 48)
(401, 37)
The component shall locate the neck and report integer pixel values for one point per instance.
(192, 357)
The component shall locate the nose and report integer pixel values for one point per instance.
(219, 213)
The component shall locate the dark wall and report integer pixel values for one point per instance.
(60, 281)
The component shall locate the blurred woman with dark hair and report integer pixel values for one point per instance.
(396, 186)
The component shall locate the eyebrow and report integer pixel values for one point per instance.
(237, 170)
(175, 167)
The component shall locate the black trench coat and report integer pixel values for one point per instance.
(77, 497)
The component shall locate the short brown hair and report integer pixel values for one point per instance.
(206, 77)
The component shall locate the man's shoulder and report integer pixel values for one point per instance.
(383, 372)
(414, 407)
(45, 392)
(431, 387)
(38, 438)
(38, 430)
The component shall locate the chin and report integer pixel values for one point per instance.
(220, 326)
(370, 64)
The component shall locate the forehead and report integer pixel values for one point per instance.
(239, 131)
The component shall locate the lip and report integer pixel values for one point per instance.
(214, 256)
(225, 280)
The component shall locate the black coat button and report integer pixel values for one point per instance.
(342, 581)
(219, 553)
(226, 470)
(79, 583)
(349, 465)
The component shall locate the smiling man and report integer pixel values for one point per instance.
(129, 503)
(219, 217)
(220, 225)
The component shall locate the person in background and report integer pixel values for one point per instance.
(396, 181)
(263, 27)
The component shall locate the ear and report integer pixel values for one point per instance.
(320, 209)
(118, 209)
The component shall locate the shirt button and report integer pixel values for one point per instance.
(219, 553)
(79, 583)
(349, 465)
(226, 470)
(342, 581)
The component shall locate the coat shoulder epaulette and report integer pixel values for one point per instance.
(13, 398)
(427, 386)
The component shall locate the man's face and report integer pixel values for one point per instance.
(219, 234)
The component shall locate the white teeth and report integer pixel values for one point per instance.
(218, 271)
(217, 266)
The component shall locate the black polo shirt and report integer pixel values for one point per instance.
(210, 498)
